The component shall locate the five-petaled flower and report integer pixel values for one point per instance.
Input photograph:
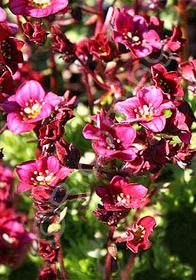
(29, 105)
(37, 8)
(133, 32)
(137, 235)
(111, 139)
(147, 108)
(120, 195)
(42, 172)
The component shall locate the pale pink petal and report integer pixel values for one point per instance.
(150, 95)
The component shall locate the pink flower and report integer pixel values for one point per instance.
(137, 235)
(188, 71)
(14, 239)
(147, 108)
(37, 8)
(29, 105)
(111, 139)
(3, 15)
(119, 195)
(175, 42)
(42, 172)
(133, 32)
(6, 182)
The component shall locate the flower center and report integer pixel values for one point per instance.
(31, 110)
(102, 51)
(132, 38)
(39, 4)
(8, 238)
(164, 85)
(145, 112)
(42, 178)
(6, 49)
(123, 198)
(138, 233)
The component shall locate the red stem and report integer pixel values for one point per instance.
(53, 77)
(63, 274)
(90, 11)
(76, 196)
(183, 25)
(108, 271)
(93, 75)
(128, 268)
(90, 97)
(99, 24)
(141, 82)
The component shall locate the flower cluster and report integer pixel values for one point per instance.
(14, 239)
(136, 74)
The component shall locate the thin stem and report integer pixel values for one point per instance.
(99, 24)
(63, 274)
(85, 166)
(77, 196)
(137, 4)
(141, 82)
(90, 11)
(3, 128)
(90, 97)
(183, 25)
(107, 19)
(128, 268)
(108, 270)
(93, 75)
(53, 77)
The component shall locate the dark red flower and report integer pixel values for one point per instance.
(120, 195)
(179, 124)
(137, 235)
(100, 47)
(62, 44)
(111, 218)
(10, 48)
(35, 32)
(181, 155)
(6, 83)
(47, 251)
(48, 273)
(67, 154)
(169, 82)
